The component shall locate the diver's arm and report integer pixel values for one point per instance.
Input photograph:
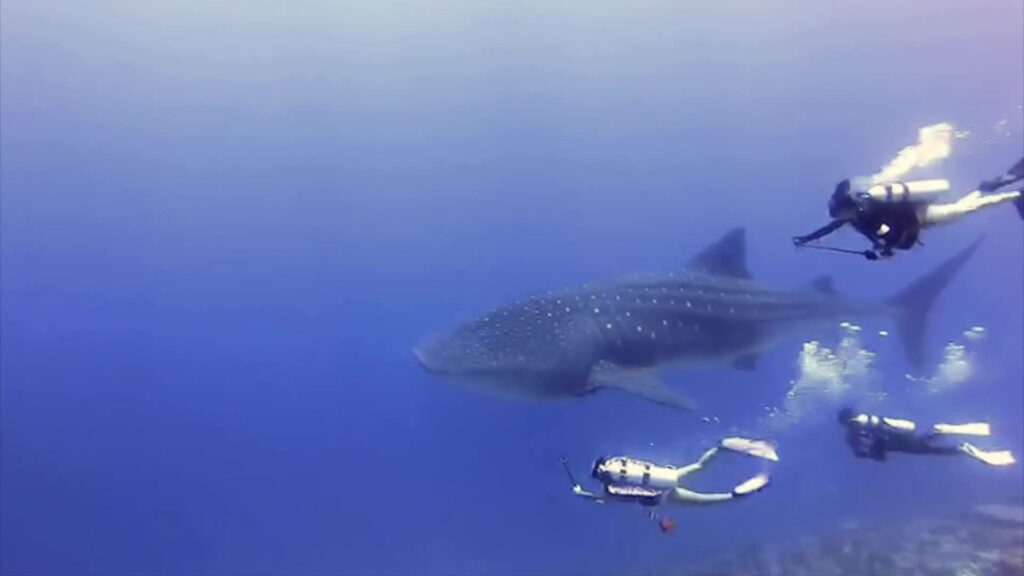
(699, 463)
(586, 494)
(577, 489)
(820, 232)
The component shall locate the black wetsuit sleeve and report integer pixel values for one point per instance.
(820, 232)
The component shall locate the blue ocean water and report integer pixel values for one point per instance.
(223, 226)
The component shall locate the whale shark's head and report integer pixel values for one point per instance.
(466, 362)
(471, 352)
(443, 356)
(524, 350)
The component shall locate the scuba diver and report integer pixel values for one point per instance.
(891, 216)
(626, 479)
(874, 437)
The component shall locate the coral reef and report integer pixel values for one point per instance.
(988, 541)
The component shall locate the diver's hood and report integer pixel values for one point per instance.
(841, 201)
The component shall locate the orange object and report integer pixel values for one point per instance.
(666, 525)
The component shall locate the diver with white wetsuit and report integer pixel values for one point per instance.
(630, 480)
(892, 215)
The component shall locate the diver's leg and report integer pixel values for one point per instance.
(935, 214)
(690, 468)
(684, 496)
(689, 497)
(925, 446)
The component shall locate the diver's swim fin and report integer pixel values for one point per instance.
(1019, 203)
(755, 448)
(640, 382)
(970, 429)
(755, 484)
(990, 457)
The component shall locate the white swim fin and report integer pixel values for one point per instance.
(755, 484)
(990, 457)
(755, 448)
(969, 429)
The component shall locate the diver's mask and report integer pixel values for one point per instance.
(845, 416)
(607, 469)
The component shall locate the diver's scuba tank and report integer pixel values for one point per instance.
(916, 192)
(623, 471)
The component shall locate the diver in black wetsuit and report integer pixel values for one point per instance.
(874, 437)
(887, 225)
(628, 479)
(891, 216)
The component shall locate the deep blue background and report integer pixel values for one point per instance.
(225, 224)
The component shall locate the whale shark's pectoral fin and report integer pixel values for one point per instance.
(640, 382)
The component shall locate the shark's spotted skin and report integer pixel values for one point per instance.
(573, 342)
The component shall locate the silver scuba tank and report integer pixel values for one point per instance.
(915, 192)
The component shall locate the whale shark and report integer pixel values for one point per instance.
(616, 335)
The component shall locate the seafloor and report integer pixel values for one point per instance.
(987, 541)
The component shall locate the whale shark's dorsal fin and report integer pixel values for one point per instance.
(727, 257)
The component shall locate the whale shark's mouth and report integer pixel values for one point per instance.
(428, 364)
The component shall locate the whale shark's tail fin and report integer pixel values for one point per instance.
(915, 301)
